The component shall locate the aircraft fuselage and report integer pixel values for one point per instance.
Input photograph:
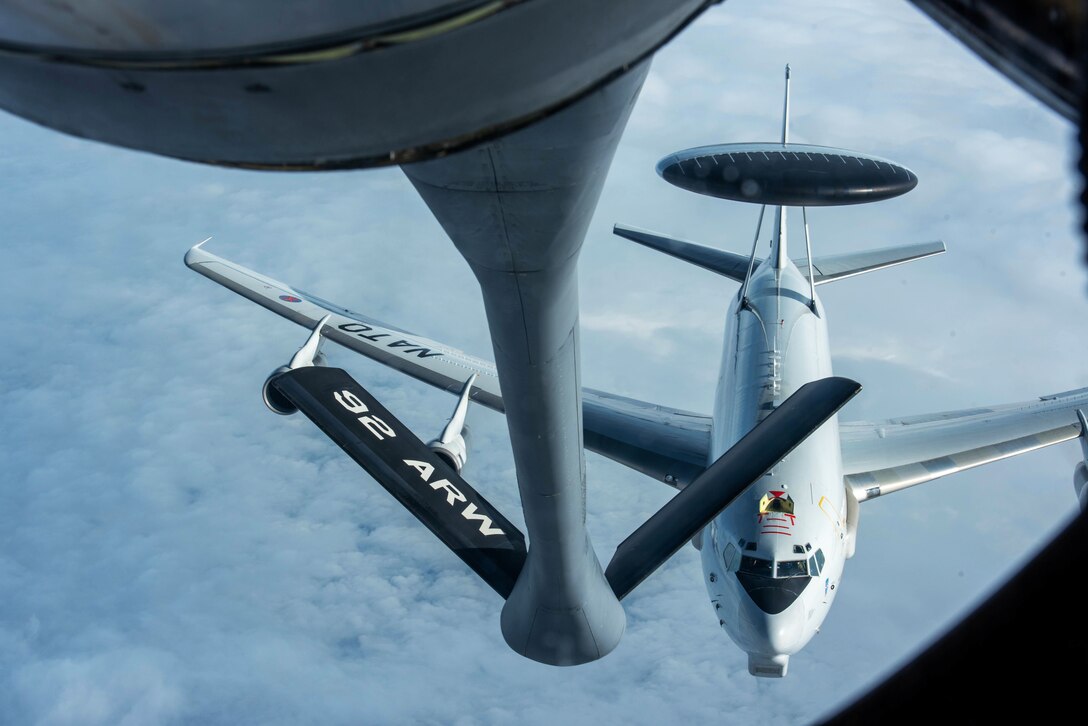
(773, 558)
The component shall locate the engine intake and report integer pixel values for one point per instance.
(308, 355)
(453, 452)
(276, 401)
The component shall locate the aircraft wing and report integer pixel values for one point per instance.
(886, 456)
(664, 443)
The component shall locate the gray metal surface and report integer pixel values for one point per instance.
(192, 27)
(787, 174)
(517, 209)
(315, 85)
(664, 443)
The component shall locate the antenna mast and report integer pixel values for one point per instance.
(786, 110)
(780, 216)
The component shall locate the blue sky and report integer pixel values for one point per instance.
(173, 553)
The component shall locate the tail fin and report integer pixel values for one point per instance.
(825, 269)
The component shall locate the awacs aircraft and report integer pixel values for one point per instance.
(769, 485)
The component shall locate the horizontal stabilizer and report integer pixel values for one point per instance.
(773, 438)
(728, 264)
(826, 268)
(419, 479)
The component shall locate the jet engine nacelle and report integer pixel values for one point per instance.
(1080, 484)
(276, 401)
(454, 452)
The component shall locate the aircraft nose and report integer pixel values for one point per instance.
(772, 595)
(784, 630)
(782, 633)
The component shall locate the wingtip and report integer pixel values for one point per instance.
(192, 257)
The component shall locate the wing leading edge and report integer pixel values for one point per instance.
(667, 444)
(886, 456)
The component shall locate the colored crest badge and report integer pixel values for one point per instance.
(776, 513)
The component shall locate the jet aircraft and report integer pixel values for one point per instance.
(355, 85)
(770, 484)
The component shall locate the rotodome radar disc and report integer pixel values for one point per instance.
(786, 174)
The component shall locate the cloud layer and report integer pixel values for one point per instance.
(172, 553)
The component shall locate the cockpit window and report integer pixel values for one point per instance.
(768, 568)
(786, 568)
(792, 568)
(756, 566)
(729, 557)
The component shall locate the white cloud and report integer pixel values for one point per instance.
(173, 553)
